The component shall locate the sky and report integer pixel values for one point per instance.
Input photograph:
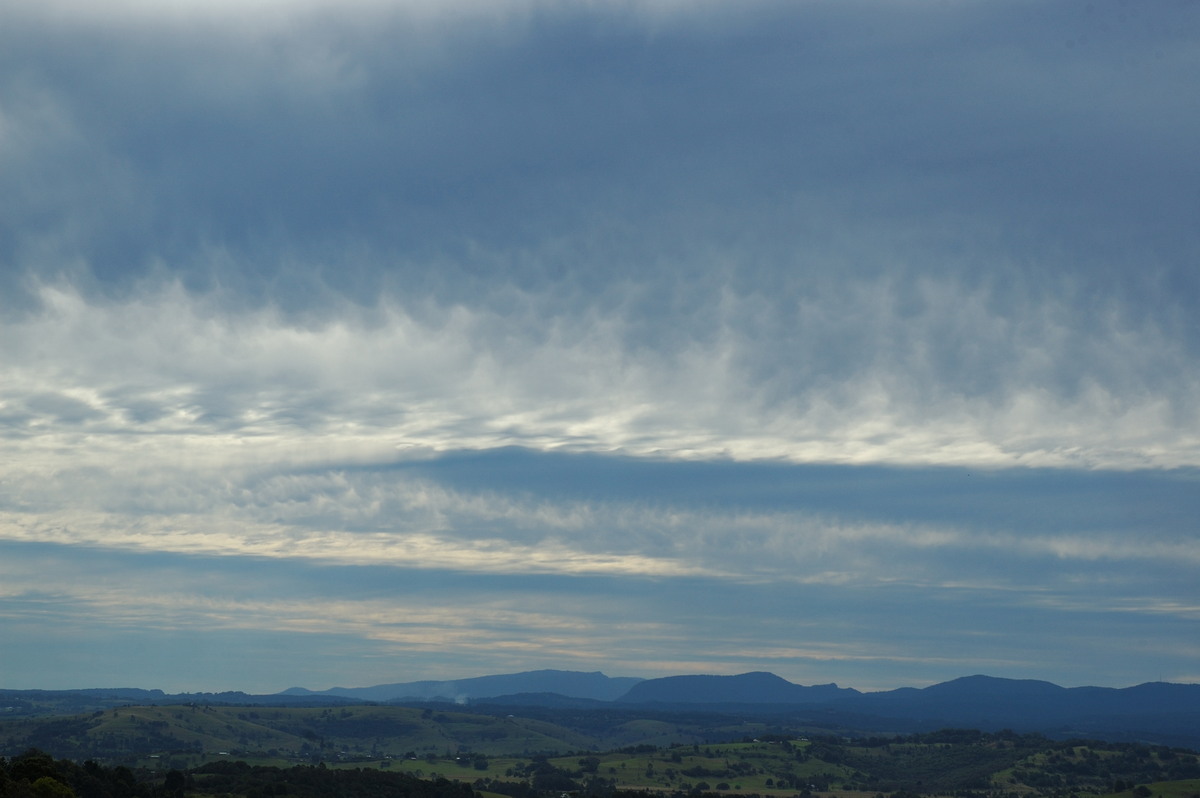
(364, 342)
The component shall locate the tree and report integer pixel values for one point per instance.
(48, 787)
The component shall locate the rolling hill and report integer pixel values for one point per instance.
(1153, 712)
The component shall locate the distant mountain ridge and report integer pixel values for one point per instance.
(1155, 711)
(572, 684)
(990, 702)
(978, 700)
(748, 688)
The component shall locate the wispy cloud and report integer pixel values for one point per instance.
(751, 312)
(176, 371)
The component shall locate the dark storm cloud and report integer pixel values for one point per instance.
(961, 185)
(1033, 121)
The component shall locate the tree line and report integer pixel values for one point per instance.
(35, 774)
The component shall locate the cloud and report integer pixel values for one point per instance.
(790, 305)
(443, 623)
(176, 370)
(524, 512)
(361, 133)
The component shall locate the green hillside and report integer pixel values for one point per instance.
(524, 757)
(193, 734)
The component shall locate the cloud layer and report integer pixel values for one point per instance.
(873, 322)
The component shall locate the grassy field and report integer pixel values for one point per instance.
(767, 769)
(1184, 788)
(733, 767)
(494, 752)
(197, 733)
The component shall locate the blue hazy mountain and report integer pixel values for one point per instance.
(572, 684)
(978, 701)
(1155, 711)
(747, 688)
(974, 700)
(989, 702)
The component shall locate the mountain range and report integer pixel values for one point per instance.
(571, 684)
(1156, 711)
